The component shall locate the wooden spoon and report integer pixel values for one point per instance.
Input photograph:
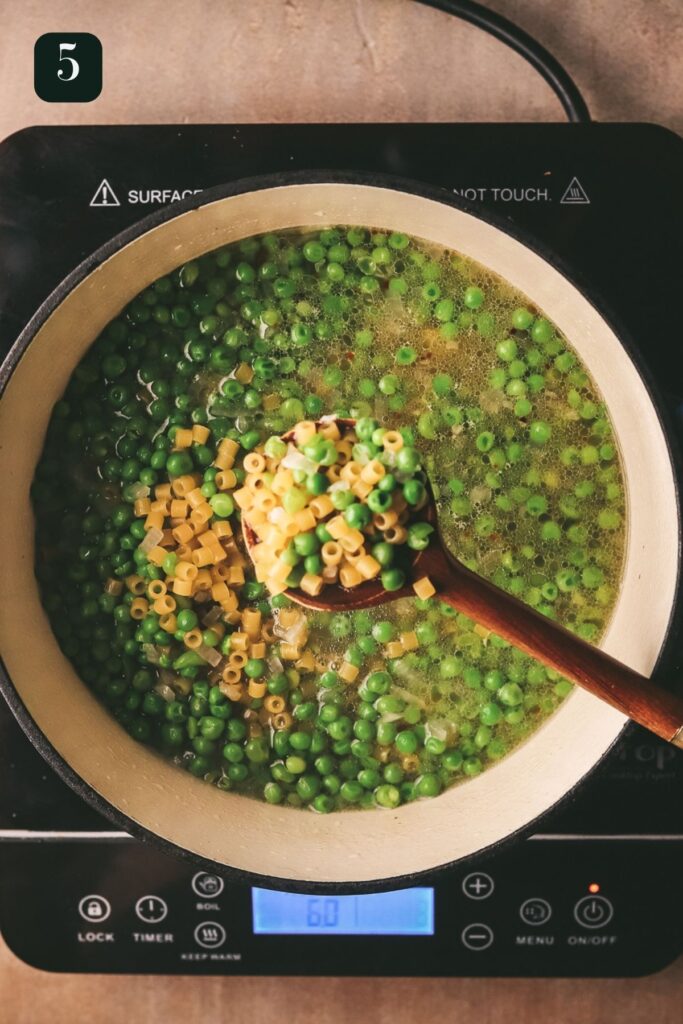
(634, 695)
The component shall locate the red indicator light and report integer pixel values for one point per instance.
(594, 887)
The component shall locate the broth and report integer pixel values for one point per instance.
(247, 342)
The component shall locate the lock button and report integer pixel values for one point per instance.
(94, 908)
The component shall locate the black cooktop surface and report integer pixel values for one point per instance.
(598, 889)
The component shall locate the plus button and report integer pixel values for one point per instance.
(477, 886)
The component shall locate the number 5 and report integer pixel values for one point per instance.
(75, 67)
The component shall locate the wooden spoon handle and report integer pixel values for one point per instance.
(636, 696)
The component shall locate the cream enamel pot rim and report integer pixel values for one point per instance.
(149, 797)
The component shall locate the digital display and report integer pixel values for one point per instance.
(402, 912)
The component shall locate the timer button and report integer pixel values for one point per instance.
(151, 909)
(593, 912)
(478, 885)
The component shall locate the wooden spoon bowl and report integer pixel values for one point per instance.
(634, 695)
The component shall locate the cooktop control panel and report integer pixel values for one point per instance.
(600, 892)
(548, 907)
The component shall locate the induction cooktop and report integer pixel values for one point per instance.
(597, 890)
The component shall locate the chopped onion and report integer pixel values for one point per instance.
(209, 654)
(182, 686)
(492, 401)
(165, 691)
(152, 538)
(275, 665)
(216, 674)
(151, 653)
(290, 634)
(137, 491)
(338, 485)
(295, 634)
(407, 696)
(439, 728)
(393, 305)
(480, 494)
(294, 459)
(213, 616)
(405, 671)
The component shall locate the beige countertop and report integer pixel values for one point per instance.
(340, 60)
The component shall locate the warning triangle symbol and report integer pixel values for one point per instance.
(104, 195)
(575, 194)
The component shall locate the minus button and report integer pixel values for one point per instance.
(477, 936)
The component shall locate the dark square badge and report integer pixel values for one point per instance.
(67, 67)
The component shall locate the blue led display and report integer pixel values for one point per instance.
(402, 912)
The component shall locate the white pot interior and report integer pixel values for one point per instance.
(248, 834)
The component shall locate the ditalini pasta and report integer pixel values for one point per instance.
(318, 525)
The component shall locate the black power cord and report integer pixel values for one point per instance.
(518, 40)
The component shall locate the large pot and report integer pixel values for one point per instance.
(148, 796)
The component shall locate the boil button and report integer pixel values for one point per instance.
(208, 886)
(593, 912)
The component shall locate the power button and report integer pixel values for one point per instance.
(593, 912)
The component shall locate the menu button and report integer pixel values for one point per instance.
(535, 911)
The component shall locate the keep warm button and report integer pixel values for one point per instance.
(593, 912)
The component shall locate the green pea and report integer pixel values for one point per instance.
(510, 694)
(539, 432)
(351, 791)
(222, 505)
(490, 714)
(428, 785)
(406, 742)
(428, 425)
(473, 297)
(521, 319)
(393, 579)
(384, 631)
(369, 778)
(507, 350)
(273, 793)
(387, 796)
(542, 330)
(405, 355)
